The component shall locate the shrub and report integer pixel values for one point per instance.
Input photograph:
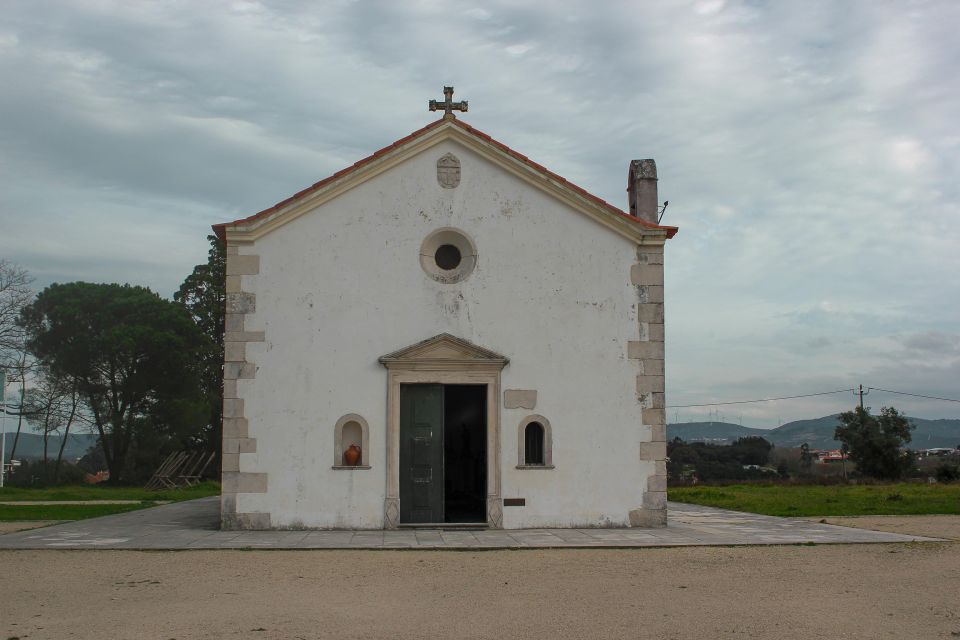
(947, 472)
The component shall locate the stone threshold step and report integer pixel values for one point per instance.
(444, 526)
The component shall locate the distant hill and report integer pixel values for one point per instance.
(30, 445)
(818, 433)
(716, 432)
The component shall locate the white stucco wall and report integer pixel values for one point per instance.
(342, 285)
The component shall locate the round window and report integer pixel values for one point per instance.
(448, 255)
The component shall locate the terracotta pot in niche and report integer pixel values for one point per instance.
(351, 457)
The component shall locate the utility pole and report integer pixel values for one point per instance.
(863, 393)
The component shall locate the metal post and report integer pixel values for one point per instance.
(3, 425)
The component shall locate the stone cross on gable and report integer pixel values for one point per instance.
(448, 105)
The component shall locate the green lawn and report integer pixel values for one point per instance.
(9, 513)
(106, 492)
(839, 500)
(90, 492)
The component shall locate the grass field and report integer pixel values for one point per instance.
(839, 500)
(145, 499)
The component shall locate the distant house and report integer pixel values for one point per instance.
(938, 452)
(832, 455)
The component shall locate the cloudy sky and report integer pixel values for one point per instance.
(809, 151)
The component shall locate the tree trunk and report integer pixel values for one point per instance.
(46, 440)
(23, 396)
(66, 434)
(104, 441)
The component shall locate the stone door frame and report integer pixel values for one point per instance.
(443, 359)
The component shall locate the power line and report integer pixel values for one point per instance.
(809, 395)
(916, 395)
(717, 404)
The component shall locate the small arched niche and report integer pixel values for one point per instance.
(534, 443)
(351, 429)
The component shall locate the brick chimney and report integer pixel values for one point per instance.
(642, 187)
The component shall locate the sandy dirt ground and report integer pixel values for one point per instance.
(23, 525)
(943, 526)
(832, 591)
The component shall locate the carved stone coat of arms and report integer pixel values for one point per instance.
(448, 171)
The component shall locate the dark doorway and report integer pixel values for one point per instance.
(465, 453)
(443, 453)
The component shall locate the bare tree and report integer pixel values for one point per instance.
(75, 414)
(51, 408)
(15, 294)
(44, 411)
(19, 367)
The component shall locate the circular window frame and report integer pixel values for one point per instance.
(439, 238)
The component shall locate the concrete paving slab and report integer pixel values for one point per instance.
(195, 525)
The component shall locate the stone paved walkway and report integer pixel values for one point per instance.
(193, 525)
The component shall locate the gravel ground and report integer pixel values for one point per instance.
(833, 591)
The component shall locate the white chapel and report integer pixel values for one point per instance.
(446, 333)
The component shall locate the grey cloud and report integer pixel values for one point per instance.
(809, 150)
(932, 341)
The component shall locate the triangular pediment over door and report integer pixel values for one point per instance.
(444, 352)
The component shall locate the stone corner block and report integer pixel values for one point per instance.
(658, 433)
(520, 399)
(233, 284)
(646, 274)
(653, 450)
(655, 331)
(241, 482)
(239, 370)
(241, 302)
(230, 462)
(650, 384)
(637, 350)
(655, 500)
(232, 407)
(650, 312)
(648, 518)
(234, 351)
(650, 293)
(244, 521)
(239, 445)
(244, 336)
(652, 367)
(648, 254)
(238, 265)
(233, 322)
(657, 483)
(654, 416)
(235, 427)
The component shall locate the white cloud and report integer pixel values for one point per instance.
(909, 155)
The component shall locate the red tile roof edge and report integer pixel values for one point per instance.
(220, 229)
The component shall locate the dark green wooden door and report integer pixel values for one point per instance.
(421, 453)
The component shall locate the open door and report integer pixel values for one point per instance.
(443, 433)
